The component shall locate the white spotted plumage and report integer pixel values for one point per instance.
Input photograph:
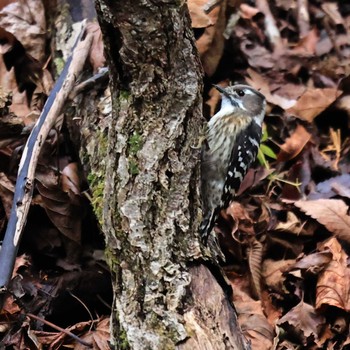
(232, 141)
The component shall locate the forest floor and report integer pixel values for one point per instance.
(286, 237)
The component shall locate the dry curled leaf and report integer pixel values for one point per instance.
(248, 12)
(293, 144)
(333, 285)
(63, 209)
(241, 217)
(99, 336)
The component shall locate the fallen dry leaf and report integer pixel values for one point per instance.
(63, 209)
(333, 284)
(201, 19)
(214, 98)
(292, 224)
(313, 263)
(304, 322)
(255, 252)
(332, 10)
(99, 336)
(252, 320)
(7, 190)
(272, 272)
(25, 19)
(337, 185)
(70, 180)
(258, 82)
(294, 144)
(331, 213)
(211, 43)
(313, 102)
(241, 217)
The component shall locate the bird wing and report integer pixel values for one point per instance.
(243, 155)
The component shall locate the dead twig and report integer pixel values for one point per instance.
(60, 329)
(26, 170)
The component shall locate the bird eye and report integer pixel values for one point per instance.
(240, 93)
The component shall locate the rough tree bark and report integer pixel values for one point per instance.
(143, 171)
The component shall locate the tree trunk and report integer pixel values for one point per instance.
(144, 174)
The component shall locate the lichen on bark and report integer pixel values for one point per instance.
(138, 146)
(151, 179)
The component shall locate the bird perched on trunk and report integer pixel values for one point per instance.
(231, 146)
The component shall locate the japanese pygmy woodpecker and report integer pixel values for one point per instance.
(231, 146)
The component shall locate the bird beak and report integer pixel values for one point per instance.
(226, 94)
(219, 88)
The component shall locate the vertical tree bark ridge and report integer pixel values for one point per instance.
(150, 206)
(151, 221)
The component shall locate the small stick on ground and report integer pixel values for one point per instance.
(26, 170)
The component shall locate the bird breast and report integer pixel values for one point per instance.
(222, 135)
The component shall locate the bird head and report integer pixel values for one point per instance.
(242, 100)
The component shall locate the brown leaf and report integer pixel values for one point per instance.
(27, 70)
(293, 144)
(313, 102)
(214, 98)
(272, 272)
(252, 320)
(258, 82)
(7, 190)
(211, 43)
(199, 18)
(331, 9)
(99, 337)
(25, 19)
(304, 322)
(241, 217)
(63, 209)
(70, 180)
(333, 287)
(10, 306)
(313, 262)
(253, 177)
(258, 55)
(292, 224)
(331, 213)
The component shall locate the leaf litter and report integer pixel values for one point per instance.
(285, 237)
